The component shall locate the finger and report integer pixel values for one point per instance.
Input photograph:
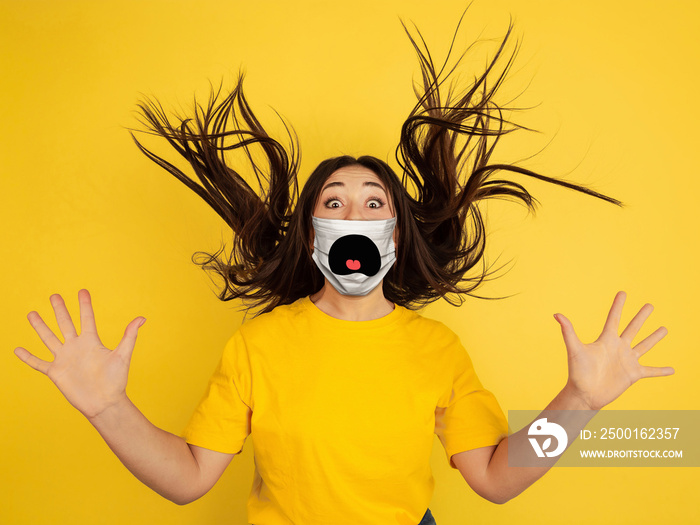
(635, 324)
(647, 344)
(128, 342)
(65, 323)
(612, 323)
(657, 371)
(33, 361)
(87, 316)
(567, 329)
(47, 337)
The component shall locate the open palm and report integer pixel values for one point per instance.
(601, 371)
(91, 376)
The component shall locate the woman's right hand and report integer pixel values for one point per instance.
(91, 376)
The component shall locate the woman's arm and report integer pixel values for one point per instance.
(165, 462)
(93, 379)
(599, 373)
(486, 469)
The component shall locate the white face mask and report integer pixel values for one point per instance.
(354, 255)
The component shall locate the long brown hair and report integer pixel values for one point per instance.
(444, 153)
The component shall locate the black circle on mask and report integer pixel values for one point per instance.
(354, 248)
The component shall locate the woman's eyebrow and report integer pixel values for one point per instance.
(366, 183)
(370, 183)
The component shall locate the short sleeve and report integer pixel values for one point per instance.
(468, 416)
(221, 421)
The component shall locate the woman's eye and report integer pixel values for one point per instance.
(332, 203)
(375, 203)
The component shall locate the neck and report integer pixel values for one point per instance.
(352, 307)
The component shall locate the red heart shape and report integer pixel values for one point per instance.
(352, 265)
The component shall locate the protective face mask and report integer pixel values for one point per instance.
(354, 255)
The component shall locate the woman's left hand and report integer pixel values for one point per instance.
(602, 370)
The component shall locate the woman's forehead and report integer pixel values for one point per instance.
(354, 175)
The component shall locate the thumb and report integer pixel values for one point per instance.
(567, 329)
(126, 345)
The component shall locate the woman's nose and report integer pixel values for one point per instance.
(354, 212)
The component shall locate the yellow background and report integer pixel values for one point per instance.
(615, 90)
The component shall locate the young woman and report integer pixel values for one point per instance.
(339, 381)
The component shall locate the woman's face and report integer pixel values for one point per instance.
(354, 193)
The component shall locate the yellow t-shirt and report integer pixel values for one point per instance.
(343, 413)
